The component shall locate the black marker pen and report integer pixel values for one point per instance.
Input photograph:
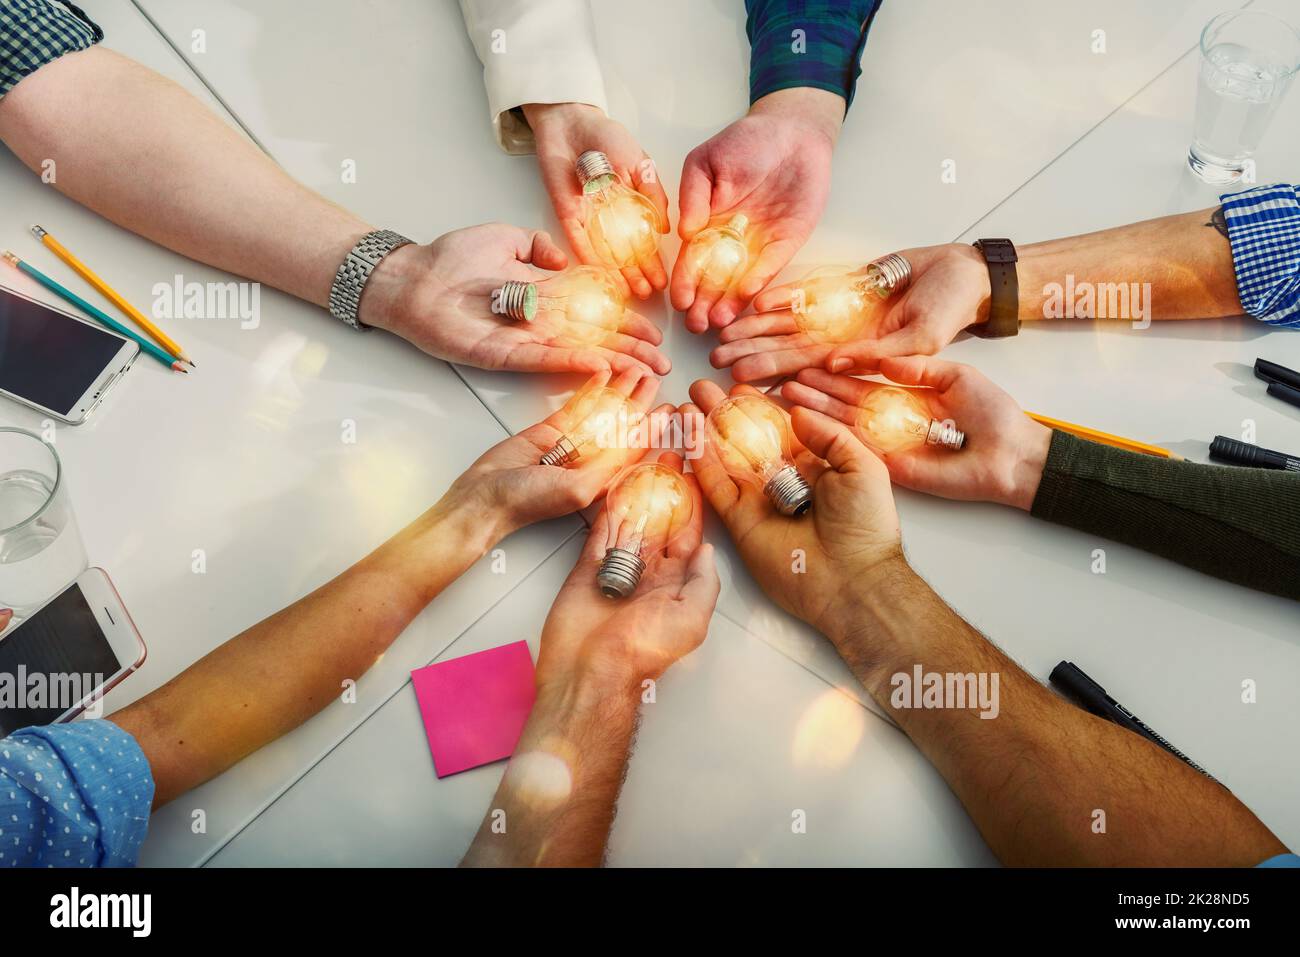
(1232, 452)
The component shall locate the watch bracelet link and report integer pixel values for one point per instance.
(352, 276)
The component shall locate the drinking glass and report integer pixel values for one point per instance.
(1247, 61)
(40, 545)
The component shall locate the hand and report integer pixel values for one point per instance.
(1005, 449)
(949, 291)
(773, 165)
(850, 533)
(564, 131)
(439, 298)
(615, 644)
(510, 487)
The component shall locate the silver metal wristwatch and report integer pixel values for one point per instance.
(350, 281)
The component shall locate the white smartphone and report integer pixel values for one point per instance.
(63, 659)
(55, 362)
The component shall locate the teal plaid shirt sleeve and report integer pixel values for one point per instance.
(1264, 230)
(815, 43)
(36, 32)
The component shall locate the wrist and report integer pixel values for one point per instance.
(383, 299)
(546, 114)
(1031, 459)
(971, 261)
(816, 109)
(594, 691)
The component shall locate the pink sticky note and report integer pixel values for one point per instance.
(474, 708)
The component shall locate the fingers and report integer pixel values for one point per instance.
(701, 588)
(652, 268)
(932, 373)
(635, 324)
(540, 250)
(865, 355)
(775, 297)
(681, 289)
(640, 350)
(783, 362)
(691, 532)
(847, 389)
(536, 357)
(636, 281)
(706, 395)
(780, 323)
(774, 257)
(576, 232)
(694, 195)
(714, 482)
(653, 190)
(702, 303)
(809, 398)
(643, 393)
(830, 440)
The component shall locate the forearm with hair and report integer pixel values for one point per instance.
(140, 151)
(1188, 265)
(1034, 776)
(556, 802)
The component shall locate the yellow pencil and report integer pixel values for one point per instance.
(111, 294)
(1105, 438)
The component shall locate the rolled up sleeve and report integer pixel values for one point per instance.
(533, 51)
(73, 795)
(1264, 230)
(36, 32)
(807, 43)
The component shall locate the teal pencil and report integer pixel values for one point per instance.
(94, 313)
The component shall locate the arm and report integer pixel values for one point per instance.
(561, 786)
(277, 674)
(1238, 524)
(140, 151)
(1032, 776)
(774, 164)
(546, 95)
(1240, 258)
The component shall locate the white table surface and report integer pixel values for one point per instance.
(1078, 141)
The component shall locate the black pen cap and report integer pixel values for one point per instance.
(1272, 372)
(1224, 449)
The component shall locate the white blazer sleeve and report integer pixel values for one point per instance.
(533, 51)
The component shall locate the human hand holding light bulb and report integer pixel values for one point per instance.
(1004, 457)
(510, 487)
(852, 531)
(947, 292)
(774, 166)
(439, 298)
(619, 643)
(563, 132)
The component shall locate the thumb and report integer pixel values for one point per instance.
(829, 440)
(702, 586)
(854, 357)
(694, 195)
(937, 374)
(6, 615)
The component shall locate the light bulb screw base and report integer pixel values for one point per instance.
(789, 492)
(946, 435)
(518, 300)
(563, 453)
(893, 272)
(620, 572)
(593, 164)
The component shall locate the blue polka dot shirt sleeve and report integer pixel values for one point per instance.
(73, 795)
(1264, 230)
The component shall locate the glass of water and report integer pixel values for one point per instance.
(1247, 62)
(40, 545)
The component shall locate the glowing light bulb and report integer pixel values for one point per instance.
(895, 420)
(837, 308)
(753, 442)
(648, 508)
(623, 225)
(597, 418)
(720, 253)
(582, 306)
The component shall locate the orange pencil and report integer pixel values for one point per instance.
(1104, 438)
(111, 294)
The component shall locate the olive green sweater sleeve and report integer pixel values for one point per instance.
(1239, 524)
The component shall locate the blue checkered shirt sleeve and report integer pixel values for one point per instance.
(807, 43)
(36, 32)
(1264, 229)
